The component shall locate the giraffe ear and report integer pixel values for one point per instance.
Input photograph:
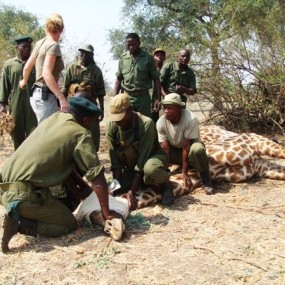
(115, 228)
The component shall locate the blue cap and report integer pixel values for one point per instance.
(83, 107)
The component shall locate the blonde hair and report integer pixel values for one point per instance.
(54, 23)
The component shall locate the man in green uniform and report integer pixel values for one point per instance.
(135, 154)
(85, 76)
(136, 73)
(18, 99)
(159, 56)
(47, 158)
(178, 77)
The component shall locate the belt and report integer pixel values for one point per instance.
(137, 92)
(18, 186)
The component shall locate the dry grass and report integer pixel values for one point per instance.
(233, 237)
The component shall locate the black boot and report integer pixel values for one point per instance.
(28, 227)
(10, 228)
(206, 183)
(167, 194)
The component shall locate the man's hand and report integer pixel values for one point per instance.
(133, 201)
(186, 180)
(113, 215)
(101, 117)
(22, 84)
(156, 106)
(180, 89)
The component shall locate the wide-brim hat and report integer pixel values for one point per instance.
(173, 99)
(118, 107)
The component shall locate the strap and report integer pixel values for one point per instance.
(135, 125)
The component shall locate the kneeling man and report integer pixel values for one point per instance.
(47, 158)
(179, 135)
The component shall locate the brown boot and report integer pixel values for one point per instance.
(206, 183)
(10, 227)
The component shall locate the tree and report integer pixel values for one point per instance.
(14, 23)
(237, 50)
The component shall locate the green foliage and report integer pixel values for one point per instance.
(14, 23)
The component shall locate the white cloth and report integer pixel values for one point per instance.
(91, 204)
(186, 128)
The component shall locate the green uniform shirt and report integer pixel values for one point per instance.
(138, 74)
(76, 73)
(11, 75)
(51, 152)
(18, 99)
(170, 76)
(147, 136)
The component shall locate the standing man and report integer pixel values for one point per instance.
(179, 135)
(136, 73)
(60, 144)
(18, 99)
(84, 75)
(135, 154)
(159, 56)
(178, 77)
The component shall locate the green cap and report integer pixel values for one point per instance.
(84, 107)
(87, 47)
(23, 39)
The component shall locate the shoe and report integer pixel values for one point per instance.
(206, 183)
(10, 227)
(167, 194)
(208, 187)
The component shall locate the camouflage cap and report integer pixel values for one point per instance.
(86, 47)
(23, 39)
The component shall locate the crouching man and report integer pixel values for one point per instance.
(179, 135)
(135, 154)
(47, 158)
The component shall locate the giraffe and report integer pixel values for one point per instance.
(232, 157)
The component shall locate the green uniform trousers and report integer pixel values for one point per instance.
(95, 133)
(141, 103)
(155, 172)
(53, 217)
(24, 117)
(197, 156)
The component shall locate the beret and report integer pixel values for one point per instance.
(84, 107)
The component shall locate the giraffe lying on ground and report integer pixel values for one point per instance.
(232, 157)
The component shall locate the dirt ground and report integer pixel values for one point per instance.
(233, 237)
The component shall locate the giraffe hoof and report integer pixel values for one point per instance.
(115, 228)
